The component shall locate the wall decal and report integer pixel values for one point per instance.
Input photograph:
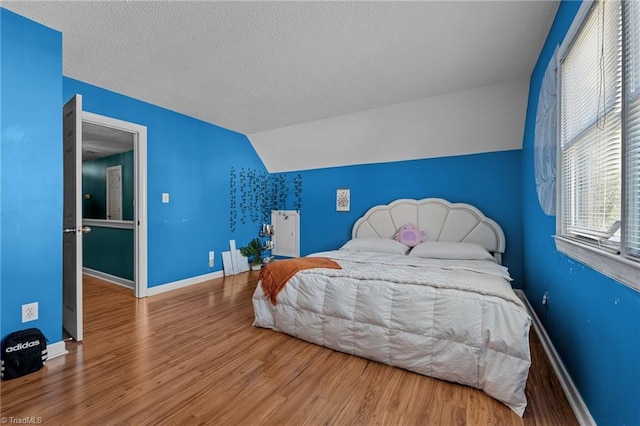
(253, 194)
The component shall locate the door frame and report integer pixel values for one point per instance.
(139, 193)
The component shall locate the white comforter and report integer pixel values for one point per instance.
(455, 320)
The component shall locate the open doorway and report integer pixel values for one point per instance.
(108, 170)
(107, 140)
(113, 179)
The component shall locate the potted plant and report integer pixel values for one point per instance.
(253, 252)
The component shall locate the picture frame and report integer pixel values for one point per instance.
(343, 200)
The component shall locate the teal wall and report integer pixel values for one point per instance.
(593, 321)
(30, 174)
(94, 182)
(109, 250)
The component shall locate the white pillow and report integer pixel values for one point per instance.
(377, 245)
(451, 250)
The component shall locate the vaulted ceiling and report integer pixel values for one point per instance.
(257, 66)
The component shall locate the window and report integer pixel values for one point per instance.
(599, 129)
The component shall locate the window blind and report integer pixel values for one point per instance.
(590, 128)
(632, 130)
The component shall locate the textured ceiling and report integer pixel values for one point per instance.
(100, 141)
(256, 66)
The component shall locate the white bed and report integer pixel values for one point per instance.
(444, 310)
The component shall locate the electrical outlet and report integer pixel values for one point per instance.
(30, 312)
(211, 259)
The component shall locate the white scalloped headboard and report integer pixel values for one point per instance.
(442, 220)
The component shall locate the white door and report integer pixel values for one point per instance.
(72, 218)
(114, 193)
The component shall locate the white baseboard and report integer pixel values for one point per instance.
(108, 277)
(151, 291)
(575, 400)
(56, 349)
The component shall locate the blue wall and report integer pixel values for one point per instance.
(489, 181)
(30, 174)
(191, 160)
(593, 321)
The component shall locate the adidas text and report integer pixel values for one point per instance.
(21, 346)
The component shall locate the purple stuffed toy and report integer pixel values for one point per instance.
(410, 235)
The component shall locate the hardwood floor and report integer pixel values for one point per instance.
(191, 356)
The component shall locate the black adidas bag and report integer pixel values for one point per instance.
(23, 352)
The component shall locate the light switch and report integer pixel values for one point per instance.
(165, 197)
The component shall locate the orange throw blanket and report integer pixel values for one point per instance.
(276, 274)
